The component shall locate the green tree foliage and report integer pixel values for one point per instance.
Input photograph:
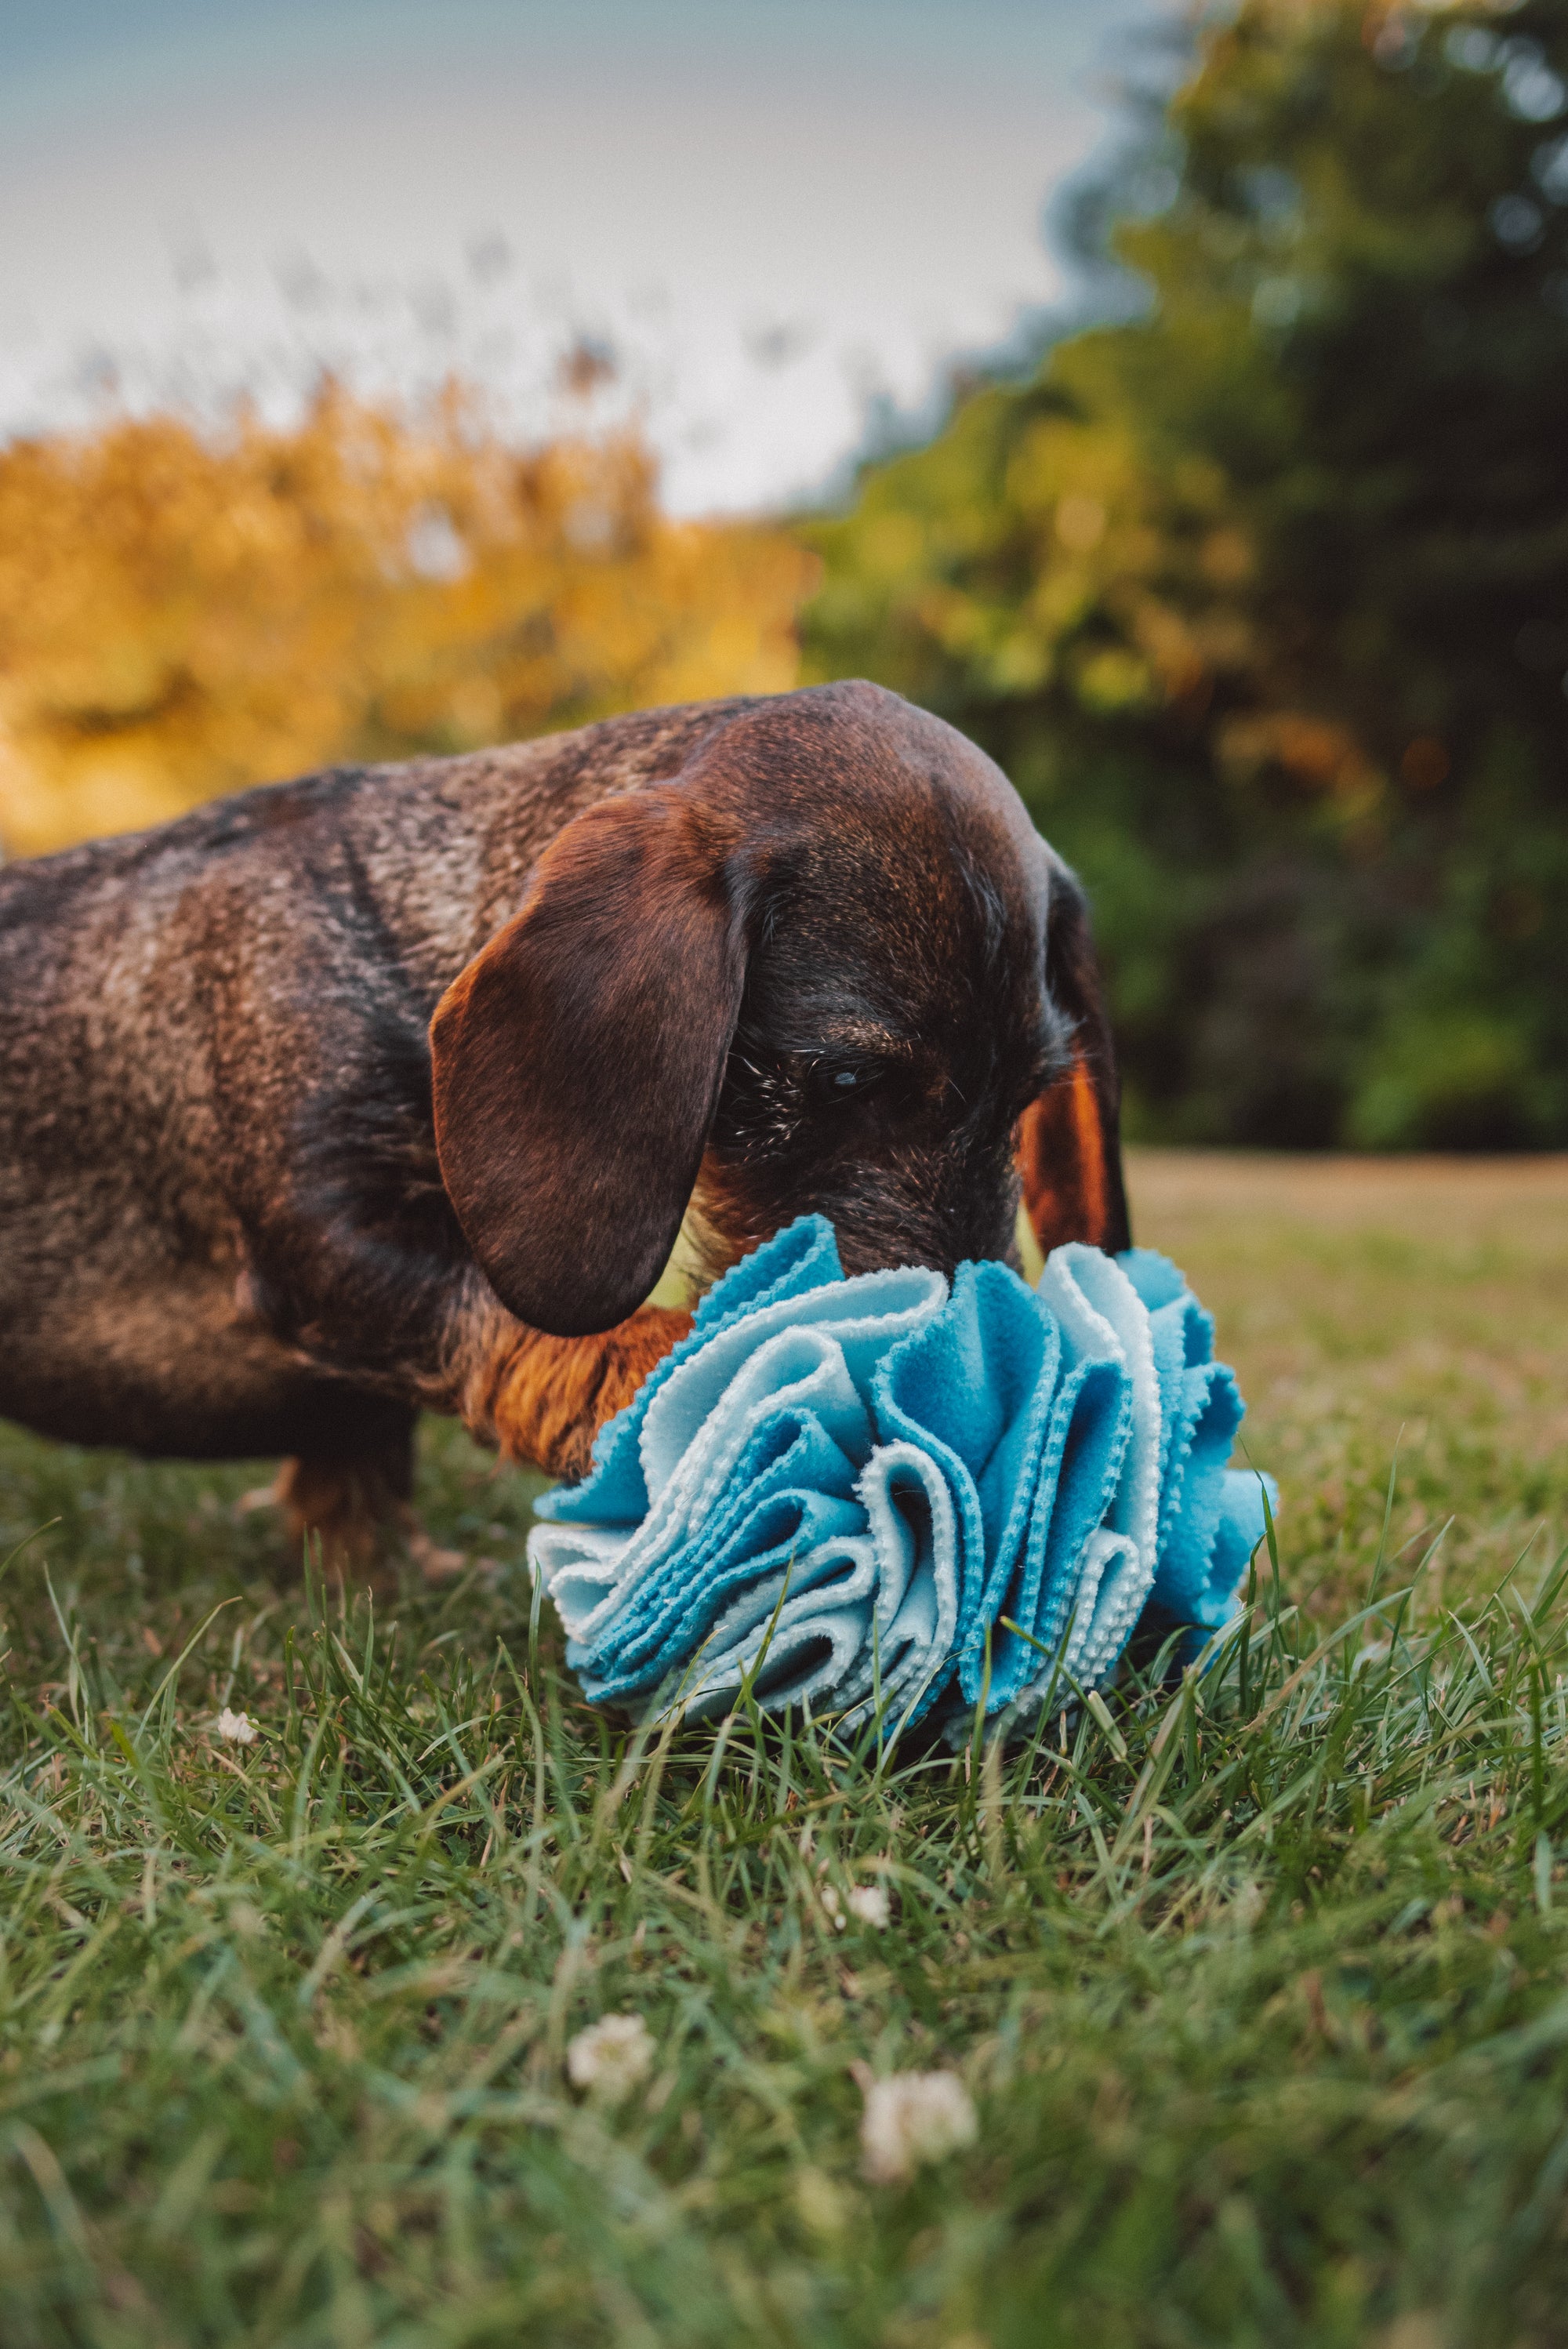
(1261, 596)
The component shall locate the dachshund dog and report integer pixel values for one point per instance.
(389, 1089)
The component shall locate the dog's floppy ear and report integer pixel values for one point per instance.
(577, 1059)
(1069, 1146)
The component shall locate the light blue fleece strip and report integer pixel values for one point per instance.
(836, 1490)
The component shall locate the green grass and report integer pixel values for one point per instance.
(1262, 1997)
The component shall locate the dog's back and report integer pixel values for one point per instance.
(150, 988)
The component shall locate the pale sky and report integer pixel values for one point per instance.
(771, 211)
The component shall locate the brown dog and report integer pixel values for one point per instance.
(388, 1090)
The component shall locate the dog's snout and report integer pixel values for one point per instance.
(928, 1210)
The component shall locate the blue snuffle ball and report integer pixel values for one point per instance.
(839, 1488)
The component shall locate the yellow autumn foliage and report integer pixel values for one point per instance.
(181, 613)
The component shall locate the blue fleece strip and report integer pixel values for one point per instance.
(836, 1490)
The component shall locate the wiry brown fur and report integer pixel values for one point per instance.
(247, 1206)
(544, 1399)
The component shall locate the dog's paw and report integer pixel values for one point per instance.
(439, 1567)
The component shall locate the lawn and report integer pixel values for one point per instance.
(1256, 1986)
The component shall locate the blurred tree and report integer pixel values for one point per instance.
(1262, 594)
(180, 615)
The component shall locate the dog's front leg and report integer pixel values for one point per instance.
(544, 1399)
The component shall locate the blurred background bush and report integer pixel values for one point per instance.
(1261, 595)
(182, 613)
(1259, 592)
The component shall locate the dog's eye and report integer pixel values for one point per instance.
(835, 1080)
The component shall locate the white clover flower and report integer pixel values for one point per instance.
(1247, 1905)
(610, 2056)
(237, 1727)
(868, 1903)
(913, 2117)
